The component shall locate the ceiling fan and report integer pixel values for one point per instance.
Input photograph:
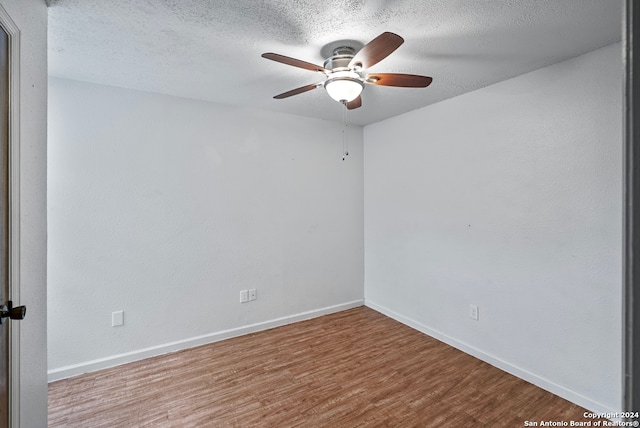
(346, 72)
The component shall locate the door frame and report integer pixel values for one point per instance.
(13, 31)
(631, 158)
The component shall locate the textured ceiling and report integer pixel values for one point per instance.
(210, 49)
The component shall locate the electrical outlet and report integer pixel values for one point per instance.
(253, 294)
(474, 312)
(117, 318)
(244, 296)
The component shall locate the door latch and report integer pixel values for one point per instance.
(14, 313)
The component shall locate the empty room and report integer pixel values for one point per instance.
(341, 213)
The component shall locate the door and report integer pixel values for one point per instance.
(4, 217)
(8, 397)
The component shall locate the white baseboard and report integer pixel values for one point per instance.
(545, 384)
(116, 360)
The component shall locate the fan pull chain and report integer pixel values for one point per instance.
(345, 140)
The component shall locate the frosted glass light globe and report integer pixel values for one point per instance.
(343, 88)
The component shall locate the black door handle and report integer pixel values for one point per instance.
(14, 313)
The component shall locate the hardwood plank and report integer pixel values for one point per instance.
(356, 368)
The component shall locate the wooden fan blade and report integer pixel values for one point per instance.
(356, 103)
(297, 91)
(377, 50)
(400, 80)
(294, 62)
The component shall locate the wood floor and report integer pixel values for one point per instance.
(355, 368)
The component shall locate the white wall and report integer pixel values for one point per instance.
(509, 198)
(167, 207)
(31, 18)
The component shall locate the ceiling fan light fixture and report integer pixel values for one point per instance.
(344, 89)
(345, 69)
